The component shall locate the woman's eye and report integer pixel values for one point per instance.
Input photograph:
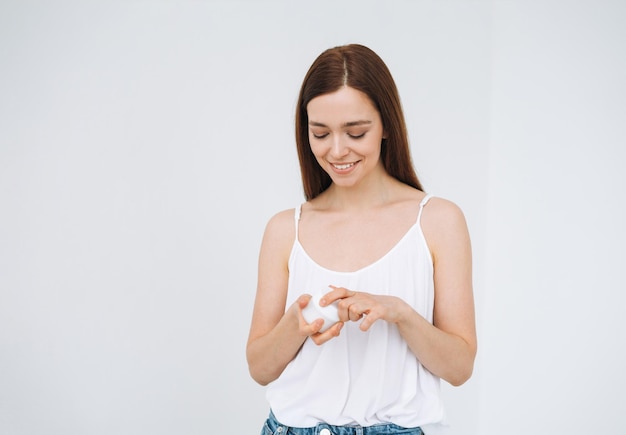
(320, 135)
(356, 136)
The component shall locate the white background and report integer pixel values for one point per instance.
(145, 144)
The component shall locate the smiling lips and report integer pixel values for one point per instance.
(344, 166)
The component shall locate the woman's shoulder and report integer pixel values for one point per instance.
(442, 214)
(443, 221)
(442, 208)
(283, 216)
(280, 229)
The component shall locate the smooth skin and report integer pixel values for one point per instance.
(355, 222)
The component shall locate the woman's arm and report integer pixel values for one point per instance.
(448, 347)
(276, 333)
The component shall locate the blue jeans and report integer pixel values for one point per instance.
(273, 427)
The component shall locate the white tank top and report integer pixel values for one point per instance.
(362, 378)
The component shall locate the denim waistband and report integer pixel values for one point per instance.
(274, 427)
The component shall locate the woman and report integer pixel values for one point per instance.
(396, 261)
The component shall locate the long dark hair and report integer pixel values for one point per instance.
(360, 68)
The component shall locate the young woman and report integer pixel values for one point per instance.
(396, 261)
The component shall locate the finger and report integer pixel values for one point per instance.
(354, 313)
(327, 335)
(345, 293)
(305, 327)
(368, 321)
(303, 300)
(312, 328)
(337, 293)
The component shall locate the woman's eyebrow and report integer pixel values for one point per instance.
(355, 123)
(346, 124)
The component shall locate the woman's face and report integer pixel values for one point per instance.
(345, 133)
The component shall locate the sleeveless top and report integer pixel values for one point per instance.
(362, 378)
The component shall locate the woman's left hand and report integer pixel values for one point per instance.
(354, 306)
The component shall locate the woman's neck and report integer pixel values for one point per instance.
(374, 192)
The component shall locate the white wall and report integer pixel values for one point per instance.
(143, 146)
(553, 341)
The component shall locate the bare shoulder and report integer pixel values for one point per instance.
(441, 211)
(280, 231)
(283, 220)
(444, 224)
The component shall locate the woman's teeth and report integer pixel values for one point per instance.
(345, 166)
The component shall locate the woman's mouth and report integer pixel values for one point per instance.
(343, 166)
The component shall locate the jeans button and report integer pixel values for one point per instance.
(324, 432)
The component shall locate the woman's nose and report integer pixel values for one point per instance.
(338, 148)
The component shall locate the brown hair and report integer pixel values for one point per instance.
(360, 68)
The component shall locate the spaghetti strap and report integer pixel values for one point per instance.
(296, 216)
(422, 204)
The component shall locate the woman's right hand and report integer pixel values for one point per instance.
(312, 329)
